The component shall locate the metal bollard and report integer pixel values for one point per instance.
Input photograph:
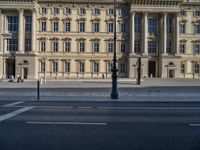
(38, 90)
(139, 71)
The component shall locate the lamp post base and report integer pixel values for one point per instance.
(114, 95)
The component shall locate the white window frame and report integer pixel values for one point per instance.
(55, 46)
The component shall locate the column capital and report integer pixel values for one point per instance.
(165, 13)
(133, 13)
(0, 11)
(33, 10)
(145, 13)
(20, 10)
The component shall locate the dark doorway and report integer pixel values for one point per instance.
(10, 68)
(171, 73)
(152, 68)
(25, 73)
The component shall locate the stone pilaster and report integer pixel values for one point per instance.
(145, 33)
(34, 38)
(1, 31)
(132, 50)
(21, 31)
(177, 34)
(164, 24)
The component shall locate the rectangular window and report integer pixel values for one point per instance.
(110, 66)
(55, 46)
(137, 46)
(182, 28)
(111, 11)
(123, 27)
(183, 13)
(122, 68)
(96, 47)
(55, 67)
(42, 46)
(27, 45)
(169, 24)
(28, 23)
(82, 67)
(67, 46)
(43, 26)
(55, 11)
(82, 11)
(138, 24)
(197, 28)
(13, 23)
(96, 27)
(196, 48)
(182, 48)
(81, 26)
(68, 26)
(182, 68)
(197, 13)
(196, 68)
(169, 46)
(67, 66)
(43, 10)
(110, 27)
(67, 11)
(42, 66)
(97, 11)
(153, 25)
(55, 26)
(110, 47)
(123, 11)
(12, 45)
(82, 47)
(152, 46)
(95, 67)
(123, 47)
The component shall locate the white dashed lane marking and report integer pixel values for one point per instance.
(13, 104)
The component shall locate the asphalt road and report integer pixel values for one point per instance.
(99, 126)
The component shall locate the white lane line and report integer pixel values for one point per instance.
(88, 107)
(67, 123)
(153, 108)
(14, 113)
(194, 125)
(12, 104)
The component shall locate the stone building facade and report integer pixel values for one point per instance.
(74, 38)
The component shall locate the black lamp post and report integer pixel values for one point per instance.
(114, 93)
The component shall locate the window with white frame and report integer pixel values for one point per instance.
(42, 46)
(67, 26)
(169, 24)
(42, 66)
(28, 23)
(67, 46)
(111, 11)
(196, 48)
(81, 67)
(67, 66)
(81, 46)
(28, 45)
(82, 26)
(197, 28)
(55, 26)
(110, 47)
(197, 13)
(153, 25)
(43, 10)
(110, 27)
(182, 68)
(95, 67)
(123, 47)
(12, 45)
(122, 11)
(68, 11)
(123, 27)
(182, 48)
(43, 25)
(169, 46)
(56, 10)
(152, 46)
(13, 22)
(122, 68)
(97, 11)
(110, 66)
(54, 66)
(95, 47)
(196, 68)
(55, 46)
(138, 24)
(183, 13)
(137, 46)
(182, 27)
(82, 11)
(96, 26)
